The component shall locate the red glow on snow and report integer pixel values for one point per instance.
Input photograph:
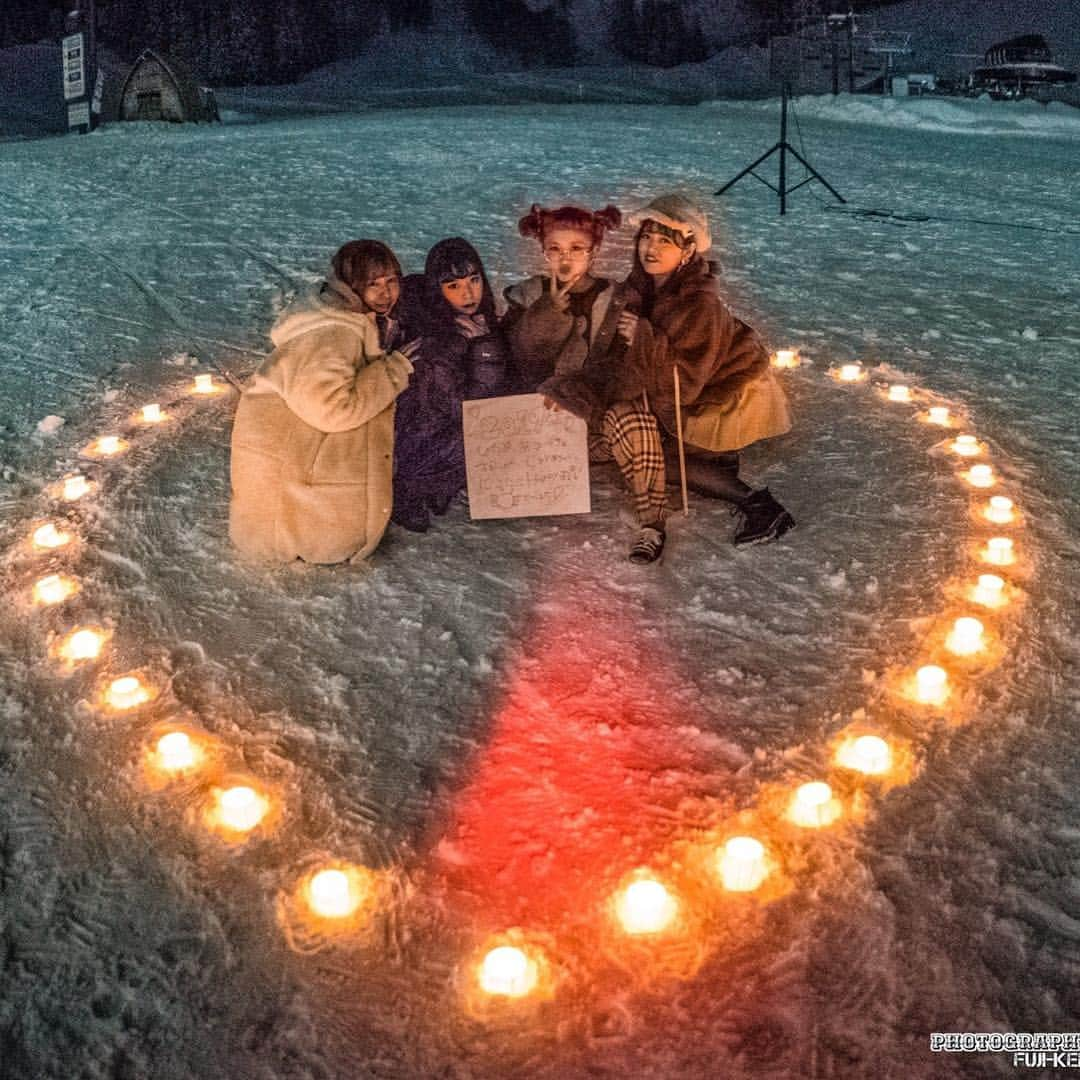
(580, 777)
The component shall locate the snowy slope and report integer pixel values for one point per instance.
(504, 718)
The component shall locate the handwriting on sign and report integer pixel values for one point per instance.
(523, 460)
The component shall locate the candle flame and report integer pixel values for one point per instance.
(786, 358)
(938, 414)
(646, 907)
(813, 806)
(899, 392)
(331, 894)
(176, 752)
(82, 645)
(851, 372)
(966, 446)
(152, 413)
(931, 684)
(54, 589)
(75, 487)
(999, 551)
(241, 808)
(867, 754)
(48, 536)
(204, 384)
(999, 510)
(741, 864)
(989, 591)
(981, 476)
(966, 637)
(127, 692)
(508, 971)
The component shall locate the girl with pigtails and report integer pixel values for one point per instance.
(689, 383)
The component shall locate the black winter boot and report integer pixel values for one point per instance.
(764, 519)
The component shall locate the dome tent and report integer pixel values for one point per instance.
(162, 88)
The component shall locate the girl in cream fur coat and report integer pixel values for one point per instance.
(313, 440)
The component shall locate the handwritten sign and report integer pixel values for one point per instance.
(523, 460)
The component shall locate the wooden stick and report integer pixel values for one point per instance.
(678, 430)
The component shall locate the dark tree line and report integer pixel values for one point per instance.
(252, 41)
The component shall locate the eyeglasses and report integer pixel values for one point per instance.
(575, 251)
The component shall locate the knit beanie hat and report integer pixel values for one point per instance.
(679, 214)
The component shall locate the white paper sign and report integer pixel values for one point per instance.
(74, 67)
(523, 460)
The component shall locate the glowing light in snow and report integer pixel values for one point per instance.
(931, 684)
(741, 863)
(646, 907)
(867, 754)
(938, 414)
(981, 476)
(152, 414)
(999, 510)
(204, 384)
(999, 550)
(48, 536)
(966, 446)
(75, 487)
(786, 358)
(176, 752)
(899, 392)
(813, 806)
(508, 972)
(966, 637)
(82, 645)
(241, 808)
(851, 373)
(54, 589)
(989, 591)
(127, 692)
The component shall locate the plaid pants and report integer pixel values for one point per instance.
(630, 436)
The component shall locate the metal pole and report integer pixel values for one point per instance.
(851, 52)
(783, 148)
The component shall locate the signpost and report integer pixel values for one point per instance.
(82, 78)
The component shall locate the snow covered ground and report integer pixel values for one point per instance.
(505, 718)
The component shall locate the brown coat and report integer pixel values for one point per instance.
(689, 326)
(313, 440)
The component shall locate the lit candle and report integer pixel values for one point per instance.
(108, 444)
(931, 684)
(899, 392)
(331, 895)
(938, 414)
(126, 692)
(175, 752)
(204, 384)
(75, 487)
(966, 637)
(53, 589)
(646, 907)
(741, 864)
(851, 372)
(999, 510)
(966, 446)
(866, 754)
(981, 476)
(241, 808)
(813, 806)
(508, 972)
(786, 358)
(48, 536)
(999, 551)
(152, 414)
(989, 591)
(82, 645)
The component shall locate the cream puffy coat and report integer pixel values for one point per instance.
(313, 440)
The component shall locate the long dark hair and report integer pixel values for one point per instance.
(449, 260)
